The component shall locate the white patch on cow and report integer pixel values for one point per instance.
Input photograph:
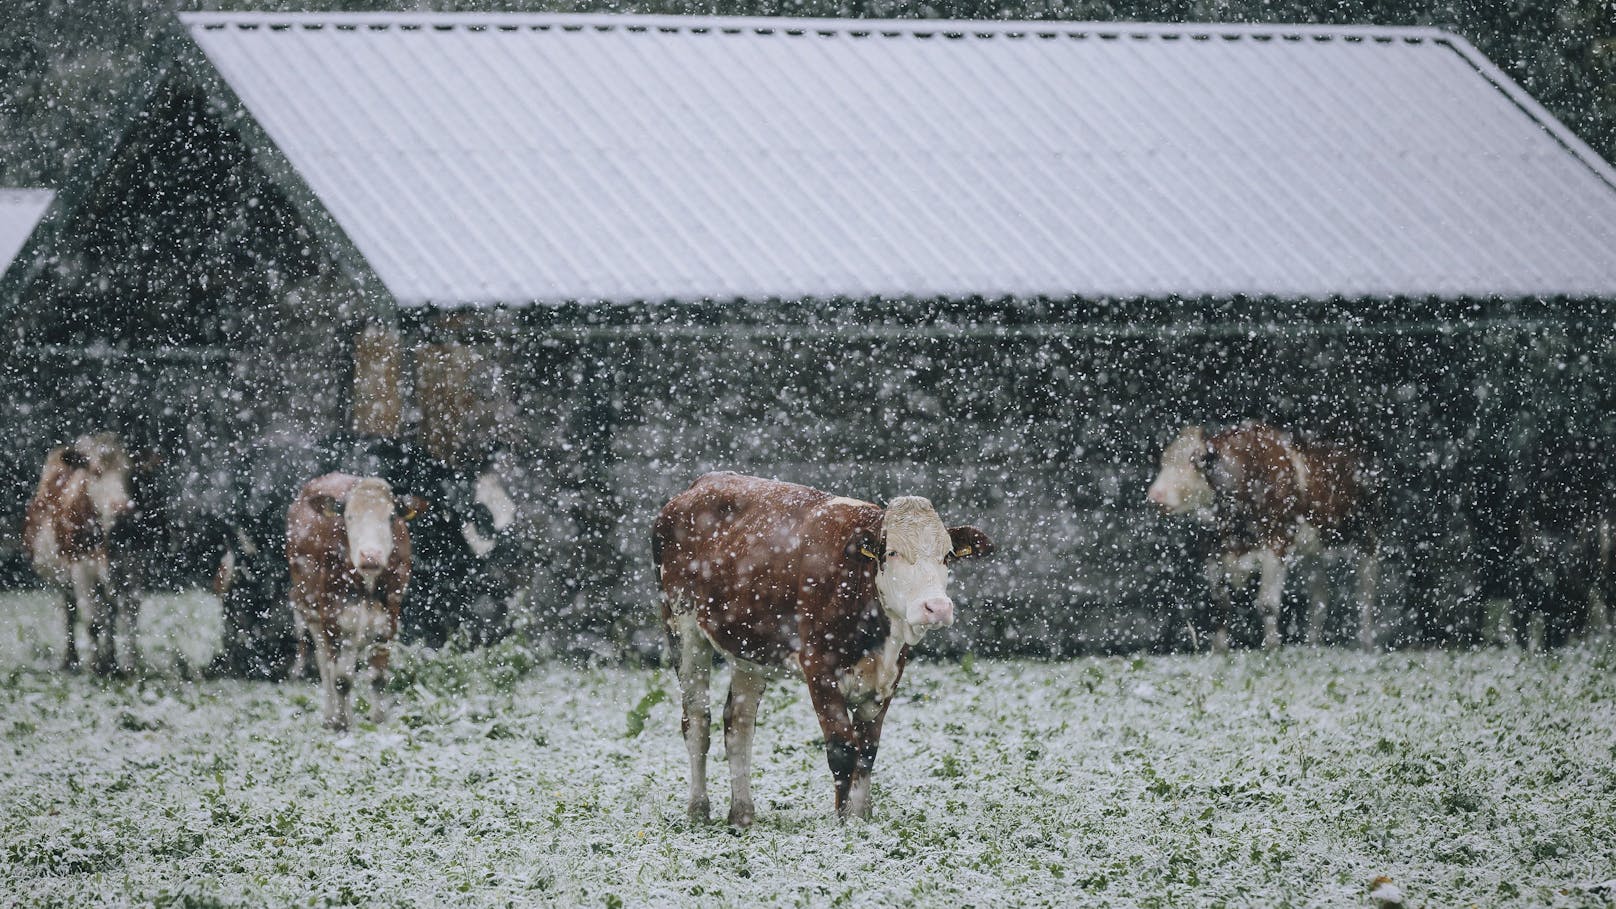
(368, 517)
(873, 680)
(858, 797)
(1298, 466)
(1180, 486)
(501, 507)
(48, 561)
(363, 623)
(361, 626)
(912, 582)
(847, 502)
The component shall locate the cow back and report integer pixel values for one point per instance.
(760, 562)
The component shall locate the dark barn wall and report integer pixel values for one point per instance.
(187, 308)
(1043, 432)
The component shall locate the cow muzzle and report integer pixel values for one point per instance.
(1160, 497)
(935, 612)
(369, 564)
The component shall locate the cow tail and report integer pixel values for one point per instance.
(670, 653)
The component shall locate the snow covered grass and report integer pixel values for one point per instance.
(1485, 778)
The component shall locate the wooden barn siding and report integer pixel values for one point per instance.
(1048, 443)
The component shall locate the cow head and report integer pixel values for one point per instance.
(104, 464)
(913, 552)
(1181, 485)
(368, 512)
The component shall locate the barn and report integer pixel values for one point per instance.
(994, 263)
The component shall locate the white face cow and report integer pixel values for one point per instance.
(367, 515)
(105, 464)
(913, 578)
(1181, 486)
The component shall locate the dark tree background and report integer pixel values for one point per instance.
(71, 69)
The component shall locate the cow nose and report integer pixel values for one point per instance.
(370, 559)
(938, 611)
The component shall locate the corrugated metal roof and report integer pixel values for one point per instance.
(545, 158)
(20, 211)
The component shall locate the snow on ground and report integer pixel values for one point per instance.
(1479, 778)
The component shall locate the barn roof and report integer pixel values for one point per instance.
(518, 158)
(20, 211)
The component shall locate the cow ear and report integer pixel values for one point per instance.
(865, 543)
(324, 504)
(411, 506)
(968, 543)
(74, 458)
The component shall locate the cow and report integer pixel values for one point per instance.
(348, 548)
(787, 580)
(1267, 497)
(83, 494)
(492, 586)
(1562, 568)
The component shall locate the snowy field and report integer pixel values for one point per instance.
(1486, 779)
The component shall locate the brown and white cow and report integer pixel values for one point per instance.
(349, 553)
(784, 579)
(1270, 497)
(83, 493)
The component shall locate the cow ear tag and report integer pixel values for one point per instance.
(865, 551)
(410, 512)
(962, 552)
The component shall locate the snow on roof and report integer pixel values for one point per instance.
(516, 158)
(20, 211)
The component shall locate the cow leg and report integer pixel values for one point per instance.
(1368, 584)
(842, 748)
(345, 670)
(380, 674)
(740, 720)
(126, 612)
(95, 600)
(1318, 600)
(1217, 580)
(300, 631)
(70, 613)
(868, 733)
(695, 673)
(131, 617)
(1271, 595)
(333, 691)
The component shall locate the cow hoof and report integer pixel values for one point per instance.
(699, 812)
(1220, 643)
(1271, 642)
(741, 816)
(336, 725)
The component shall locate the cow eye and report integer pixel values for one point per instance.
(892, 553)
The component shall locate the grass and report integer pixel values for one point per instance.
(1476, 778)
